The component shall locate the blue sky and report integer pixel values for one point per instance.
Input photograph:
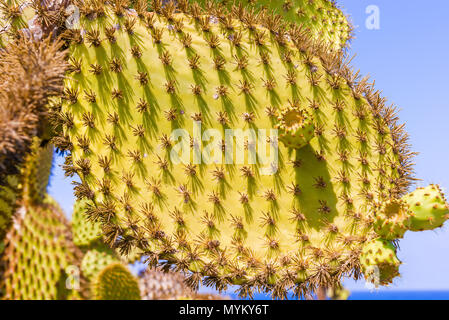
(408, 57)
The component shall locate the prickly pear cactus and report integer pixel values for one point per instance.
(115, 282)
(8, 198)
(379, 262)
(156, 284)
(38, 251)
(322, 19)
(428, 206)
(96, 260)
(27, 187)
(148, 105)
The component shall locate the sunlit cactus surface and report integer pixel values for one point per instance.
(225, 144)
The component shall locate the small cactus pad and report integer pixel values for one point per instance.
(295, 126)
(287, 218)
(380, 264)
(85, 232)
(321, 18)
(115, 282)
(38, 251)
(96, 260)
(392, 219)
(429, 207)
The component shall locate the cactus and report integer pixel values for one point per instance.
(31, 73)
(429, 208)
(322, 19)
(379, 261)
(392, 219)
(95, 260)
(299, 223)
(302, 226)
(327, 202)
(155, 284)
(38, 251)
(115, 282)
(26, 188)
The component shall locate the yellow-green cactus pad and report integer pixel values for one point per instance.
(8, 198)
(429, 207)
(322, 19)
(38, 252)
(296, 127)
(96, 260)
(35, 173)
(392, 219)
(115, 282)
(380, 264)
(141, 83)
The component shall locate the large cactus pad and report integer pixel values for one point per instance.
(294, 218)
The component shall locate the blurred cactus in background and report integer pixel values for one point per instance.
(317, 193)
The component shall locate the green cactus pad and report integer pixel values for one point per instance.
(36, 172)
(295, 126)
(321, 18)
(28, 187)
(115, 282)
(429, 207)
(380, 264)
(38, 251)
(95, 260)
(8, 198)
(267, 224)
(392, 219)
